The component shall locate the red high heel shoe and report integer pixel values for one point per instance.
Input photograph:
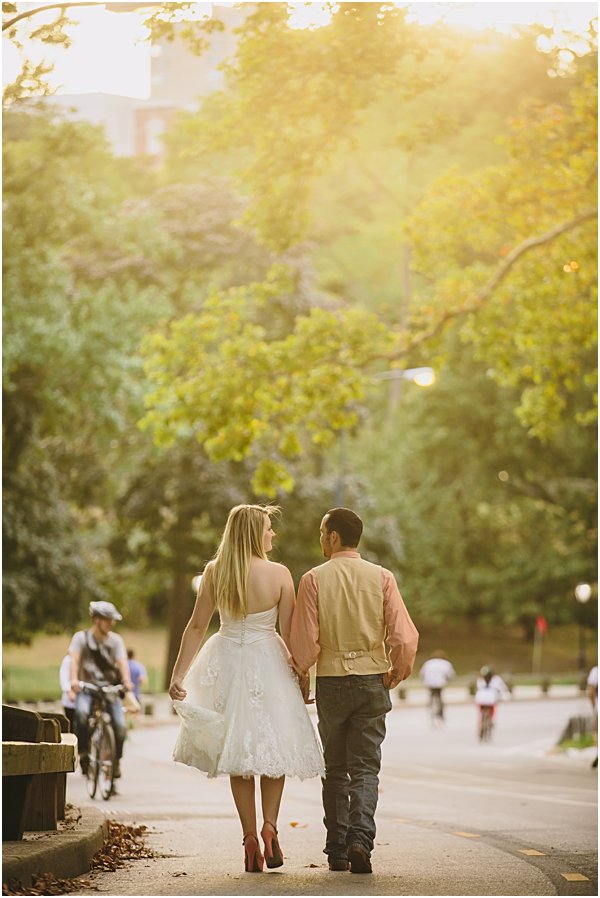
(253, 859)
(273, 852)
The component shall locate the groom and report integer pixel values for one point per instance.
(347, 610)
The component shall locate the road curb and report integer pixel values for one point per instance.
(65, 852)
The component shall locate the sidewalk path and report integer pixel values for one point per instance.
(454, 818)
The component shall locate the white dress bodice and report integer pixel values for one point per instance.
(250, 629)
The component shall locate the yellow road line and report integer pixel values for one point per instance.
(575, 877)
(531, 852)
(467, 835)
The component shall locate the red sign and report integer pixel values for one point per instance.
(541, 624)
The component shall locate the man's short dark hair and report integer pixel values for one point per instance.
(347, 523)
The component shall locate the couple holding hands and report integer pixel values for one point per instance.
(241, 697)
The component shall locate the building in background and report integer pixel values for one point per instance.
(178, 81)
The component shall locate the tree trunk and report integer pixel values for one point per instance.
(180, 608)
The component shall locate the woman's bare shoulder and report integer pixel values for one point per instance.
(281, 569)
(271, 568)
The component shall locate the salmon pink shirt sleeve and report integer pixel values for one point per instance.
(304, 637)
(402, 635)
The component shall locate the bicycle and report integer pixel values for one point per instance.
(102, 757)
(486, 724)
(436, 707)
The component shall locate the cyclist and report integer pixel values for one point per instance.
(99, 656)
(436, 673)
(491, 689)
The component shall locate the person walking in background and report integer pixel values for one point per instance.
(68, 703)
(98, 656)
(241, 707)
(592, 690)
(491, 689)
(347, 610)
(137, 673)
(435, 674)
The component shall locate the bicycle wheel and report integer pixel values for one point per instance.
(108, 759)
(91, 778)
(486, 724)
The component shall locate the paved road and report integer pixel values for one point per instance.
(455, 817)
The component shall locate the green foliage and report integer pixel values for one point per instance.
(530, 305)
(283, 123)
(493, 525)
(71, 383)
(240, 390)
(44, 572)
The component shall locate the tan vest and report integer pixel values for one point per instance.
(351, 621)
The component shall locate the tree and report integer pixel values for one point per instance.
(521, 270)
(492, 263)
(69, 380)
(493, 525)
(34, 24)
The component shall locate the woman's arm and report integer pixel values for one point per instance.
(193, 634)
(287, 600)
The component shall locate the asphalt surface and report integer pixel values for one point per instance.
(455, 817)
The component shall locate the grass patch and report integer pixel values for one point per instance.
(583, 740)
(30, 673)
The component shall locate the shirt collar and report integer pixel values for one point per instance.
(346, 553)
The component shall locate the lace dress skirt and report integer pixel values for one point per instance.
(244, 713)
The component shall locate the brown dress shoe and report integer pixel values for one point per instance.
(338, 864)
(360, 862)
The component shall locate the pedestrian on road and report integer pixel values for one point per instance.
(592, 689)
(241, 706)
(347, 610)
(436, 673)
(98, 656)
(137, 673)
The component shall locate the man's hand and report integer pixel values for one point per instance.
(176, 690)
(74, 689)
(304, 683)
(128, 686)
(391, 679)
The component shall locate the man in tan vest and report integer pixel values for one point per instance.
(347, 610)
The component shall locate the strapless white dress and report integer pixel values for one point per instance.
(244, 713)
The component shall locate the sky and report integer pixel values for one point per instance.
(86, 67)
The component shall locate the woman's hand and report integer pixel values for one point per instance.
(176, 690)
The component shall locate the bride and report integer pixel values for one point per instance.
(241, 708)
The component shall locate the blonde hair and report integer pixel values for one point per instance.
(242, 539)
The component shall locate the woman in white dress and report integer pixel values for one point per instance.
(241, 707)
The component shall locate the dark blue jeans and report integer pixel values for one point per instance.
(351, 713)
(83, 708)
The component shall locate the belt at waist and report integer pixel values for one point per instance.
(369, 660)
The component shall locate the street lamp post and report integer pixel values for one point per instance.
(583, 593)
(422, 377)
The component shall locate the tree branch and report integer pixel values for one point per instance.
(32, 12)
(499, 275)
